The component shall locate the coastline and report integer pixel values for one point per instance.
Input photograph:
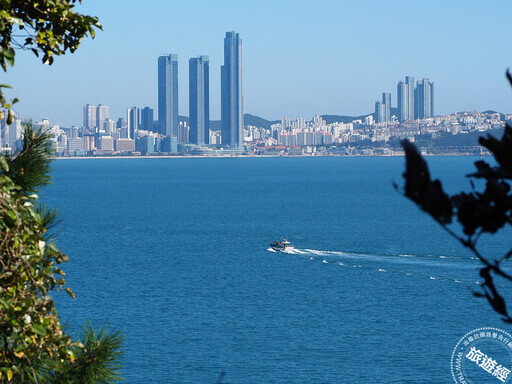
(245, 156)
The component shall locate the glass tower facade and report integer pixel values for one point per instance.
(405, 96)
(199, 100)
(231, 91)
(146, 119)
(132, 116)
(168, 95)
(424, 99)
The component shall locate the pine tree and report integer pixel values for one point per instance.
(33, 345)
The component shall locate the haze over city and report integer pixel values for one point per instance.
(298, 59)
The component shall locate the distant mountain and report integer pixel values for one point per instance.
(461, 139)
(249, 119)
(502, 116)
(259, 121)
(329, 119)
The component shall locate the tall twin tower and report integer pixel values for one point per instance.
(199, 95)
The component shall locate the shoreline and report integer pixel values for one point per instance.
(245, 156)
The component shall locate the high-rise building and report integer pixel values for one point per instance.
(109, 126)
(168, 94)
(379, 112)
(90, 115)
(183, 133)
(383, 109)
(102, 114)
(424, 99)
(231, 91)
(14, 135)
(132, 116)
(386, 102)
(199, 100)
(405, 96)
(146, 119)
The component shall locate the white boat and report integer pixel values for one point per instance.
(282, 246)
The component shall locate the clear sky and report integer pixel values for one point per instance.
(300, 58)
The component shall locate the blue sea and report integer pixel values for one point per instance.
(175, 253)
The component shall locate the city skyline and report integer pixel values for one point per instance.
(300, 59)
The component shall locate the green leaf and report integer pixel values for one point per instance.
(4, 166)
(39, 329)
(4, 303)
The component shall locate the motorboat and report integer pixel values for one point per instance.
(282, 246)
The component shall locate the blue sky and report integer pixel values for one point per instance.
(300, 58)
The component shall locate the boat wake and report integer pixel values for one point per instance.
(437, 268)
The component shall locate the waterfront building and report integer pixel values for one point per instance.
(146, 119)
(169, 144)
(199, 100)
(184, 133)
(405, 96)
(125, 145)
(89, 143)
(168, 95)
(145, 144)
(424, 99)
(90, 116)
(102, 114)
(215, 137)
(132, 117)
(106, 143)
(231, 91)
(76, 146)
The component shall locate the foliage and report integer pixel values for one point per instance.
(97, 359)
(33, 345)
(477, 212)
(47, 27)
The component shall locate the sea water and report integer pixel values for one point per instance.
(175, 253)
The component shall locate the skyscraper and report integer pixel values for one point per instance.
(90, 116)
(405, 95)
(102, 114)
(231, 91)
(386, 103)
(383, 109)
(379, 112)
(199, 100)
(132, 116)
(168, 94)
(424, 99)
(146, 119)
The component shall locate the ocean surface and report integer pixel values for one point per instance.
(175, 253)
